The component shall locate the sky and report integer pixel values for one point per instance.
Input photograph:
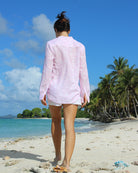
(107, 28)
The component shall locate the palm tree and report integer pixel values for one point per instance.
(119, 65)
(106, 87)
(125, 88)
(94, 105)
(117, 92)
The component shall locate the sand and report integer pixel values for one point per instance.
(95, 151)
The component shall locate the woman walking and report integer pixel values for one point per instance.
(64, 67)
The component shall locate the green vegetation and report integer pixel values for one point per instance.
(35, 113)
(45, 113)
(117, 93)
(116, 96)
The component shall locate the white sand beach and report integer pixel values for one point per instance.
(95, 151)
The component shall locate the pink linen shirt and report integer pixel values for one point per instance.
(64, 67)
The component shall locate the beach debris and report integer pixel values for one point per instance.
(88, 149)
(135, 163)
(117, 136)
(6, 158)
(15, 141)
(131, 149)
(79, 133)
(129, 129)
(31, 147)
(45, 165)
(120, 164)
(19, 139)
(12, 162)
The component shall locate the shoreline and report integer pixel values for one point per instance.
(94, 151)
(50, 118)
(99, 126)
(81, 120)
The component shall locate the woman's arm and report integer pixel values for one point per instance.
(47, 72)
(83, 77)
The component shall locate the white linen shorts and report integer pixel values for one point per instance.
(57, 104)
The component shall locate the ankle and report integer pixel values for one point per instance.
(66, 163)
(58, 155)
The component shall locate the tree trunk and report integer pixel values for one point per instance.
(115, 105)
(135, 99)
(128, 110)
(124, 112)
(105, 105)
(135, 108)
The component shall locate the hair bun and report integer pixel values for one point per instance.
(62, 23)
(61, 15)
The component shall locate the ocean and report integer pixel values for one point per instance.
(23, 128)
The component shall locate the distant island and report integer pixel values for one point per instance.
(45, 113)
(8, 117)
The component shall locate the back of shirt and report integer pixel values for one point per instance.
(64, 66)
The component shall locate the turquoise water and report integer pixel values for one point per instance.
(15, 128)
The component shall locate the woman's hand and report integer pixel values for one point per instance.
(44, 100)
(85, 101)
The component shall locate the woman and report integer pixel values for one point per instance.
(64, 67)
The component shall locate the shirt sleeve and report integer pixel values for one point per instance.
(47, 72)
(83, 77)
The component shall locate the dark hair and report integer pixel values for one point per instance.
(63, 23)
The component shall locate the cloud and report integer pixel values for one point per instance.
(9, 59)
(30, 46)
(2, 95)
(43, 27)
(22, 91)
(4, 29)
(24, 34)
(33, 40)
(6, 52)
(3, 25)
(21, 88)
(15, 63)
(1, 86)
(24, 84)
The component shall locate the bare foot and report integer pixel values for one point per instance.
(57, 159)
(66, 166)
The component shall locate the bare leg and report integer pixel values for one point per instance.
(70, 111)
(56, 130)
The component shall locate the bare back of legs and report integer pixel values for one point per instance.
(69, 111)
